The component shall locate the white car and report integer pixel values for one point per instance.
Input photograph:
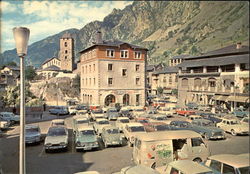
(99, 124)
(4, 124)
(121, 122)
(9, 116)
(58, 122)
(72, 110)
(33, 134)
(131, 130)
(57, 138)
(233, 126)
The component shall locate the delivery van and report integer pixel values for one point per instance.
(155, 149)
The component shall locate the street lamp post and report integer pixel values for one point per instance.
(21, 36)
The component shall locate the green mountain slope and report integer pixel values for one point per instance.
(166, 28)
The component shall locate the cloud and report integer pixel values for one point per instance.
(45, 18)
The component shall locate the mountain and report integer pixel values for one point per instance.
(166, 28)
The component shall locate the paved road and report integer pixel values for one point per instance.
(105, 161)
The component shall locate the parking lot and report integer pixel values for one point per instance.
(104, 160)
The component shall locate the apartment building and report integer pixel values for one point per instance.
(175, 60)
(51, 62)
(166, 79)
(113, 72)
(219, 77)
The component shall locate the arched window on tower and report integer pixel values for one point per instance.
(66, 51)
(65, 44)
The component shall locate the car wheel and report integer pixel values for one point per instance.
(46, 150)
(233, 132)
(198, 160)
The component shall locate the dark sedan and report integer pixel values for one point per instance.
(210, 116)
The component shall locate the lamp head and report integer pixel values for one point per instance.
(21, 36)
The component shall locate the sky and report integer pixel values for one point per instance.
(46, 18)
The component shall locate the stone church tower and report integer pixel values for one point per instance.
(66, 54)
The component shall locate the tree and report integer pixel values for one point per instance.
(30, 73)
(170, 34)
(175, 92)
(159, 90)
(12, 63)
(194, 50)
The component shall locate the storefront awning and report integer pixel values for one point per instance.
(241, 99)
(216, 97)
(220, 97)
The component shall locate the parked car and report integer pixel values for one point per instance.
(184, 167)
(59, 110)
(207, 129)
(157, 126)
(193, 117)
(32, 134)
(204, 108)
(131, 130)
(97, 113)
(125, 113)
(121, 122)
(4, 124)
(155, 149)
(229, 163)
(99, 124)
(184, 112)
(233, 126)
(210, 116)
(79, 121)
(85, 138)
(240, 112)
(180, 124)
(139, 169)
(9, 116)
(167, 111)
(57, 122)
(82, 107)
(112, 114)
(138, 110)
(82, 113)
(143, 120)
(192, 105)
(111, 136)
(72, 110)
(57, 138)
(159, 118)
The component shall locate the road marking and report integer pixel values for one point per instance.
(41, 153)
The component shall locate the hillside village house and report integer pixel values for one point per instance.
(9, 76)
(217, 77)
(113, 72)
(166, 79)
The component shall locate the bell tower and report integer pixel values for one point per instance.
(66, 54)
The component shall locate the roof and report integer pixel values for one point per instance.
(47, 60)
(15, 68)
(164, 135)
(51, 68)
(167, 70)
(179, 57)
(150, 67)
(113, 43)
(216, 61)
(134, 124)
(82, 128)
(189, 167)
(232, 160)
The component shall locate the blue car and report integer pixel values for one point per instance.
(210, 116)
(59, 110)
(240, 112)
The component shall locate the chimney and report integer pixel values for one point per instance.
(238, 45)
(99, 37)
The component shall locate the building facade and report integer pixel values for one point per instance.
(219, 77)
(166, 79)
(113, 72)
(51, 62)
(66, 54)
(173, 61)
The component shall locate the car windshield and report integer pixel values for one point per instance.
(162, 127)
(57, 132)
(184, 124)
(139, 110)
(82, 121)
(9, 115)
(113, 131)
(137, 129)
(143, 121)
(103, 122)
(31, 130)
(87, 132)
(112, 110)
(125, 111)
(208, 124)
(244, 170)
(79, 107)
(160, 118)
(124, 121)
(97, 111)
(58, 123)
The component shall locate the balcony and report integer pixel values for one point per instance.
(199, 74)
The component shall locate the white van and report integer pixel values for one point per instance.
(156, 149)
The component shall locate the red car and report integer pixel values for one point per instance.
(185, 112)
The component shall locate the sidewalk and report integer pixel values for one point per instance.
(39, 117)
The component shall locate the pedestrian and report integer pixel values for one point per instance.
(44, 106)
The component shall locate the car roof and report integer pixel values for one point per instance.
(57, 127)
(134, 124)
(157, 123)
(31, 126)
(122, 118)
(139, 169)
(82, 128)
(201, 120)
(194, 116)
(232, 160)
(189, 167)
(81, 118)
(101, 119)
(57, 120)
(170, 134)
